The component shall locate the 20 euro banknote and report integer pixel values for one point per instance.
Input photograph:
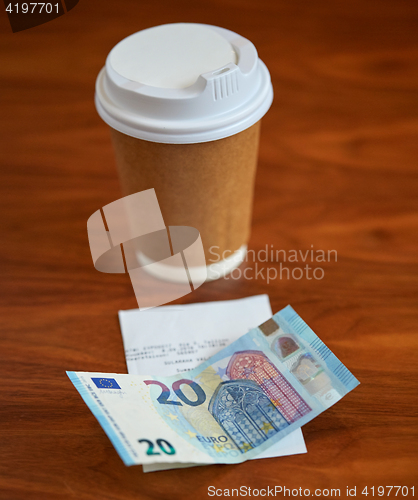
(233, 406)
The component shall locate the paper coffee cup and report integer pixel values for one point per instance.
(184, 103)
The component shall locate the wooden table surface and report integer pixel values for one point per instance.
(337, 170)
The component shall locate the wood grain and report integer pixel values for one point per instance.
(337, 170)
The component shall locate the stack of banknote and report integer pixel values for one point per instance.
(238, 404)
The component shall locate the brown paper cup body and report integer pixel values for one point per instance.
(207, 185)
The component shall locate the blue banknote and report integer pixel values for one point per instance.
(232, 407)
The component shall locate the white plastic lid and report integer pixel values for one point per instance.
(183, 83)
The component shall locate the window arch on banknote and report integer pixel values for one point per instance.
(254, 365)
(245, 413)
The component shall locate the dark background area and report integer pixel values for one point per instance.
(337, 170)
